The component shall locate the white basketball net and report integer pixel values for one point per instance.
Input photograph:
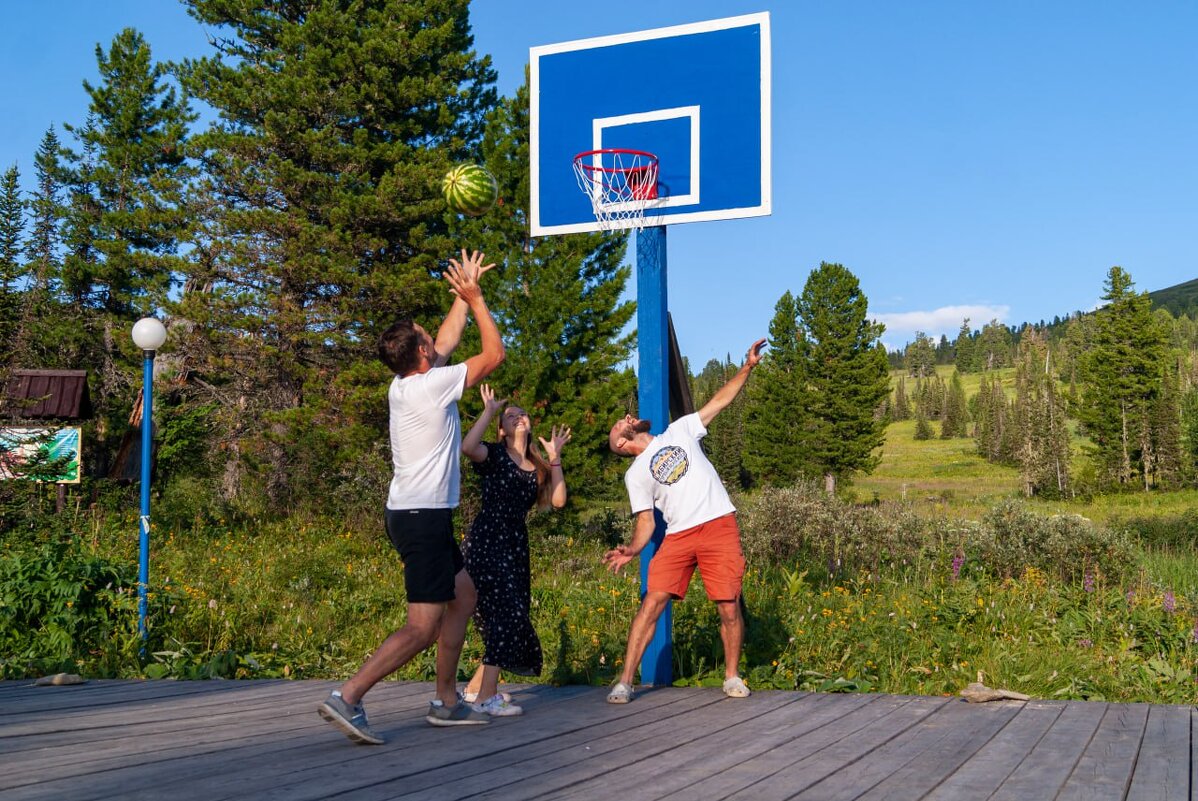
(620, 185)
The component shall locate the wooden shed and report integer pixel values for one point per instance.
(48, 395)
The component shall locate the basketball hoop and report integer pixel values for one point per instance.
(619, 182)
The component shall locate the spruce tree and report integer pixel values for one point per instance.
(1123, 370)
(12, 264)
(776, 427)
(920, 356)
(923, 429)
(33, 342)
(993, 348)
(846, 371)
(956, 413)
(1039, 435)
(901, 409)
(724, 443)
(963, 356)
(323, 219)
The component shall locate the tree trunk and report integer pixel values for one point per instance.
(830, 483)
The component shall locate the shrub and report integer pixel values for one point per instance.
(1013, 537)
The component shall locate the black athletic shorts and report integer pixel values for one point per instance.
(431, 556)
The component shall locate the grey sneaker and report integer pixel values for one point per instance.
(460, 714)
(621, 693)
(350, 718)
(497, 706)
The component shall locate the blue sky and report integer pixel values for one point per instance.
(980, 159)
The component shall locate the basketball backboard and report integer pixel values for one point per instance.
(697, 96)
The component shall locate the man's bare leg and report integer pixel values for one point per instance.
(453, 636)
(732, 632)
(424, 622)
(641, 633)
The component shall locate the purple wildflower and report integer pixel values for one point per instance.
(1085, 643)
(1088, 582)
(1131, 597)
(958, 562)
(1169, 602)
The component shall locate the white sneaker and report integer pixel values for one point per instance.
(735, 688)
(621, 693)
(471, 698)
(497, 706)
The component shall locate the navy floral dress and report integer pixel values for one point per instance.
(497, 561)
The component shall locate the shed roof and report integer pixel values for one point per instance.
(58, 394)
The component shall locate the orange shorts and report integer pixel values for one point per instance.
(713, 547)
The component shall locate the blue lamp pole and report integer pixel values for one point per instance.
(148, 334)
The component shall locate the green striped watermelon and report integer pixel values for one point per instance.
(469, 189)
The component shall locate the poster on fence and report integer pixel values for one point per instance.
(41, 454)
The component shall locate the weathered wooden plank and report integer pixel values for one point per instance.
(993, 762)
(286, 711)
(840, 755)
(81, 697)
(570, 747)
(793, 749)
(1163, 769)
(918, 777)
(1049, 764)
(917, 743)
(637, 760)
(690, 765)
(1105, 769)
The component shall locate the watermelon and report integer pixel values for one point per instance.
(469, 189)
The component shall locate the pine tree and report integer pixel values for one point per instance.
(12, 265)
(1123, 371)
(920, 356)
(956, 413)
(901, 409)
(33, 344)
(1039, 436)
(846, 370)
(322, 216)
(994, 346)
(963, 356)
(776, 428)
(724, 443)
(1164, 424)
(923, 429)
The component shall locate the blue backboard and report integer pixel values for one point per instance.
(697, 96)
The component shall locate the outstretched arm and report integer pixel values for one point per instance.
(727, 393)
(463, 281)
(450, 332)
(472, 443)
(641, 534)
(553, 450)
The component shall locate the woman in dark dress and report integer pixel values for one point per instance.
(514, 477)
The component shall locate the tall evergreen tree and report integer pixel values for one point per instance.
(32, 340)
(955, 421)
(846, 371)
(901, 409)
(776, 428)
(993, 349)
(1040, 437)
(1123, 370)
(963, 355)
(920, 356)
(724, 443)
(12, 265)
(323, 214)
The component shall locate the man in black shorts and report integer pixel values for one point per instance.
(426, 435)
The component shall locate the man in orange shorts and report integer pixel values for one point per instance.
(670, 472)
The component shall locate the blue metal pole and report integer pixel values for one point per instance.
(143, 565)
(653, 397)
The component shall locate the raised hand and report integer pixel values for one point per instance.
(491, 404)
(553, 447)
(616, 558)
(463, 275)
(753, 357)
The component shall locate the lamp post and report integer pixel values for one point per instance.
(148, 334)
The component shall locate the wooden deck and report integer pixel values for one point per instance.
(263, 740)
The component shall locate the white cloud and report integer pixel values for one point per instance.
(901, 326)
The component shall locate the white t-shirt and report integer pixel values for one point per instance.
(674, 475)
(426, 438)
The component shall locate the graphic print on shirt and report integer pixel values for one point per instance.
(669, 464)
